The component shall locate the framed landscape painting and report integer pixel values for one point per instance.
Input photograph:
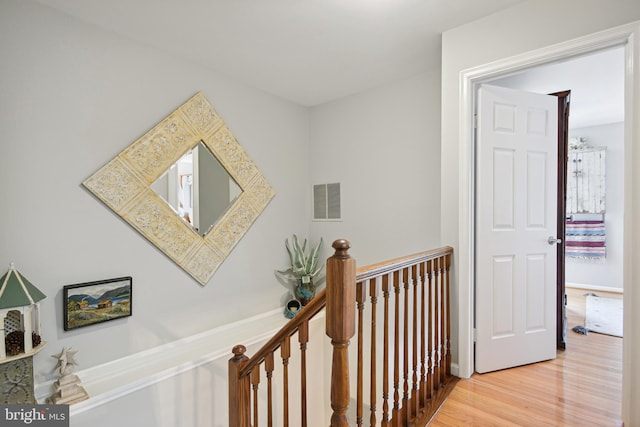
(96, 302)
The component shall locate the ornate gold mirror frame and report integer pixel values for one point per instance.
(124, 185)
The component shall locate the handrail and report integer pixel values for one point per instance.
(307, 313)
(318, 303)
(414, 388)
(375, 270)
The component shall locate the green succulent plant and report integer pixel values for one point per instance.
(304, 265)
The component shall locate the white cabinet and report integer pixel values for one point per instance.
(586, 192)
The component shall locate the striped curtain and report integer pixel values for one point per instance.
(585, 240)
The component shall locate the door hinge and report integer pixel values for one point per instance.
(475, 121)
(475, 335)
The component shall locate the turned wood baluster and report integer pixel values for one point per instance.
(255, 383)
(430, 331)
(443, 326)
(269, 367)
(405, 362)
(340, 326)
(436, 324)
(448, 284)
(442, 355)
(285, 354)
(414, 361)
(395, 415)
(303, 339)
(423, 336)
(360, 300)
(385, 353)
(239, 390)
(373, 293)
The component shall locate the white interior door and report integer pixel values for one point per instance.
(515, 228)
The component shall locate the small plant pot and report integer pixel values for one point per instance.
(305, 292)
(292, 308)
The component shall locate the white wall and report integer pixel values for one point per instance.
(609, 273)
(72, 96)
(517, 30)
(198, 397)
(383, 146)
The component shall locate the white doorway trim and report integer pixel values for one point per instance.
(626, 35)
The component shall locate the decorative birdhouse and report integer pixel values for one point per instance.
(20, 326)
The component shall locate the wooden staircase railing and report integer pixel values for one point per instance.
(410, 380)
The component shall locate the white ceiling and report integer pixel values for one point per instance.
(596, 82)
(306, 51)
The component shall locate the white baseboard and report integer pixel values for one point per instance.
(455, 369)
(118, 378)
(594, 287)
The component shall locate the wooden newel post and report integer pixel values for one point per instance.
(341, 315)
(239, 390)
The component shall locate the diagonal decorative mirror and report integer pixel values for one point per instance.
(187, 186)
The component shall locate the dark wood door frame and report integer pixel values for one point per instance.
(564, 99)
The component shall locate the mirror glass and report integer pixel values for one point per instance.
(198, 188)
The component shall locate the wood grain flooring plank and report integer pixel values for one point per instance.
(581, 387)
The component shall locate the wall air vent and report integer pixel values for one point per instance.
(326, 202)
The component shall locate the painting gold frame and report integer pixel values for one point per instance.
(124, 185)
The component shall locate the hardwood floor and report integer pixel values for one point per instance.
(581, 387)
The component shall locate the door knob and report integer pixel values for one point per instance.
(554, 241)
